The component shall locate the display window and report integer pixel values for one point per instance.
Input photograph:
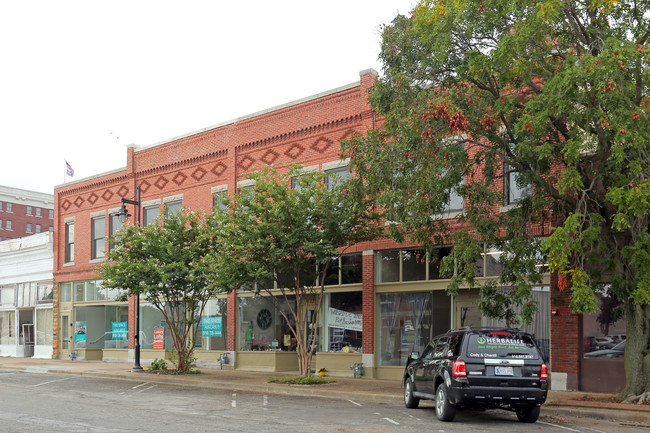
(261, 325)
(344, 322)
(408, 321)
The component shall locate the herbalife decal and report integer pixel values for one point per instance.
(493, 347)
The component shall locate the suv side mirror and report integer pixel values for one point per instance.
(415, 355)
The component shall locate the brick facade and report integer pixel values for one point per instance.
(307, 132)
(28, 212)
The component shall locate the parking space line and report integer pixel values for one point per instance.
(53, 381)
(556, 425)
(392, 421)
(354, 402)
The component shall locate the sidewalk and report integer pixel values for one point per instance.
(559, 403)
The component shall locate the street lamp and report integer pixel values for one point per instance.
(123, 214)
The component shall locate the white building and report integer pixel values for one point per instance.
(26, 296)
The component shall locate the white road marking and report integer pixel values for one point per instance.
(142, 390)
(592, 429)
(234, 402)
(266, 401)
(390, 420)
(142, 384)
(354, 402)
(52, 381)
(560, 426)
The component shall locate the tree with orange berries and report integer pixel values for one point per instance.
(535, 114)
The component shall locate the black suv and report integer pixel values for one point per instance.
(479, 367)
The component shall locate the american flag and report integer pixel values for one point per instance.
(68, 169)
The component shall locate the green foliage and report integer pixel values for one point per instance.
(557, 91)
(158, 364)
(284, 237)
(166, 263)
(293, 380)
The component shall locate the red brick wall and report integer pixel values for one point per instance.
(19, 220)
(368, 299)
(308, 133)
(565, 336)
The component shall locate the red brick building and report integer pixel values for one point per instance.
(380, 304)
(24, 213)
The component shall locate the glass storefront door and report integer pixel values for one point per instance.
(66, 342)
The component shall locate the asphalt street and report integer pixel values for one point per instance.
(54, 402)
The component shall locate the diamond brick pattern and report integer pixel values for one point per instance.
(179, 178)
(270, 156)
(79, 201)
(161, 183)
(294, 151)
(219, 168)
(198, 174)
(322, 144)
(66, 204)
(92, 199)
(108, 195)
(246, 162)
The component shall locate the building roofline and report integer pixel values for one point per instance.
(255, 114)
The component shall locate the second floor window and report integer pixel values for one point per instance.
(98, 238)
(149, 214)
(9, 207)
(337, 176)
(50, 213)
(29, 228)
(115, 225)
(173, 207)
(38, 211)
(513, 189)
(29, 210)
(69, 242)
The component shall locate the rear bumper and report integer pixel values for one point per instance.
(496, 395)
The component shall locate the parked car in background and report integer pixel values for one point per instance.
(477, 367)
(617, 351)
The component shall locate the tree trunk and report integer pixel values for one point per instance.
(637, 359)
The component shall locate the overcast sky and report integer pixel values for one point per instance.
(80, 80)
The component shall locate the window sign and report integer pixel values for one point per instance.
(345, 320)
(119, 330)
(80, 332)
(159, 338)
(211, 326)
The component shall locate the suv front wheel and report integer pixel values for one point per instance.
(410, 401)
(527, 413)
(445, 411)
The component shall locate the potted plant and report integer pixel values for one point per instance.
(322, 372)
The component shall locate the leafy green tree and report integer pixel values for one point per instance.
(279, 241)
(165, 263)
(545, 101)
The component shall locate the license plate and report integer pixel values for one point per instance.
(503, 371)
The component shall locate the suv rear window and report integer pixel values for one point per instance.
(501, 345)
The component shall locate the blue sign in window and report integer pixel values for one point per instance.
(211, 326)
(120, 330)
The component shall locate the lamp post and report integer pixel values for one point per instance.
(123, 214)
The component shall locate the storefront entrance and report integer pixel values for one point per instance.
(64, 332)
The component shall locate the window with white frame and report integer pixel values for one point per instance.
(98, 234)
(69, 242)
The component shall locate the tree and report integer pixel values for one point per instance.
(165, 262)
(279, 241)
(546, 101)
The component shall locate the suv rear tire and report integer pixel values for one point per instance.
(410, 401)
(445, 411)
(527, 413)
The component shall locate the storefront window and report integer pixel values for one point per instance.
(388, 266)
(66, 290)
(44, 323)
(261, 326)
(409, 265)
(346, 269)
(344, 322)
(26, 295)
(116, 327)
(45, 292)
(408, 321)
(212, 330)
(78, 291)
(7, 327)
(153, 327)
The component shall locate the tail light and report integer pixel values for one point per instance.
(544, 373)
(458, 369)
